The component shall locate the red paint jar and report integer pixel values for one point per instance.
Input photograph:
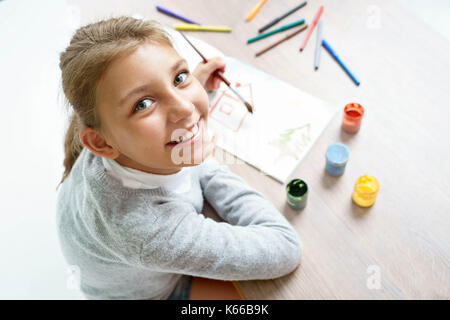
(353, 114)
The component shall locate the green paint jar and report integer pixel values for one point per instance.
(297, 194)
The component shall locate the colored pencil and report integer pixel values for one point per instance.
(281, 40)
(275, 21)
(316, 18)
(318, 45)
(255, 10)
(335, 56)
(194, 27)
(172, 14)
(285, 27)
(221, 76)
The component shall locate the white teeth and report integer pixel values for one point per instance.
(188, 135)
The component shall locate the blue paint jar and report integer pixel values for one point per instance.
(336, 159)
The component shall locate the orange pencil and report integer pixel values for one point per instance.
(255, 10)
(313, 24)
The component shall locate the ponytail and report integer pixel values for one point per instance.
(72, 145)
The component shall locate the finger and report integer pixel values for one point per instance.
(216, 83)
(218, 60)
(216, 64)
(209, 85)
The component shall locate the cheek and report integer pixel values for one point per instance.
(149, 130)
(199, 98)
(146, 133)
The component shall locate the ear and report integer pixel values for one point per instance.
(94, 141)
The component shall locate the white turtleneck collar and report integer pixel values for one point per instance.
(179, 182)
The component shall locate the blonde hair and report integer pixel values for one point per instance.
(84, 61)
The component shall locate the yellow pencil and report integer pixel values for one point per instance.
(194, 27)
(255, 10)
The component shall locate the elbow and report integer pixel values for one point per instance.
(286, 258)
(296, 254)
(299, 252)
(293, 254)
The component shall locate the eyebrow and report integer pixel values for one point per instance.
(146, 87)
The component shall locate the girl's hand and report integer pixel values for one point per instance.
(205, 73)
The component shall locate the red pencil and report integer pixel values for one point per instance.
(313, 24)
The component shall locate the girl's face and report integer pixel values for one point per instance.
(145, 100)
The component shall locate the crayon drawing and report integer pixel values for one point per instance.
(283, 127)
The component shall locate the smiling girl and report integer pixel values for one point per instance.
(138, 166)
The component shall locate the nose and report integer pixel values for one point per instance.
(179, 107)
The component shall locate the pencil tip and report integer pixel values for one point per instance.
(301, 49)
(315, 68)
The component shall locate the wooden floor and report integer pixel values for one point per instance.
(209, 289)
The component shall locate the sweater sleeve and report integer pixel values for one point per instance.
(255, 242)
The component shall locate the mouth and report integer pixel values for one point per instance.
(190, 137)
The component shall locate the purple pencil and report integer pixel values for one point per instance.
(172, 14)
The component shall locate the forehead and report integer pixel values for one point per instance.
(148, 59)
(148, 63)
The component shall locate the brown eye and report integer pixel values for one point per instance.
(180, 78)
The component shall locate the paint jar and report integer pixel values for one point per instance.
(297, 194)
(336, 159)
(353, 114)
(365, 191)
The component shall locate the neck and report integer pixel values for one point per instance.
(127, 162)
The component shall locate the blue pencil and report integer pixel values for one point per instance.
(170, 13)
(335, 56)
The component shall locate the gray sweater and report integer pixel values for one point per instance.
(136, 243)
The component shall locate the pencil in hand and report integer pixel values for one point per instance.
(221, 76)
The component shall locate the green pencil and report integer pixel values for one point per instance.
(288, 26)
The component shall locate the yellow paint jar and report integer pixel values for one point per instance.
(365, 191)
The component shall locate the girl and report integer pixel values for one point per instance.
(138, 165)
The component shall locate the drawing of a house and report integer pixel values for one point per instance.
(228, 110)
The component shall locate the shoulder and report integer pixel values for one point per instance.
(210, 165)
(91, 191)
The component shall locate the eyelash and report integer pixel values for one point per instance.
(184, 71)
(147, 98)
(143, 99)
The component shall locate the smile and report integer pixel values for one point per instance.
(190, 137)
